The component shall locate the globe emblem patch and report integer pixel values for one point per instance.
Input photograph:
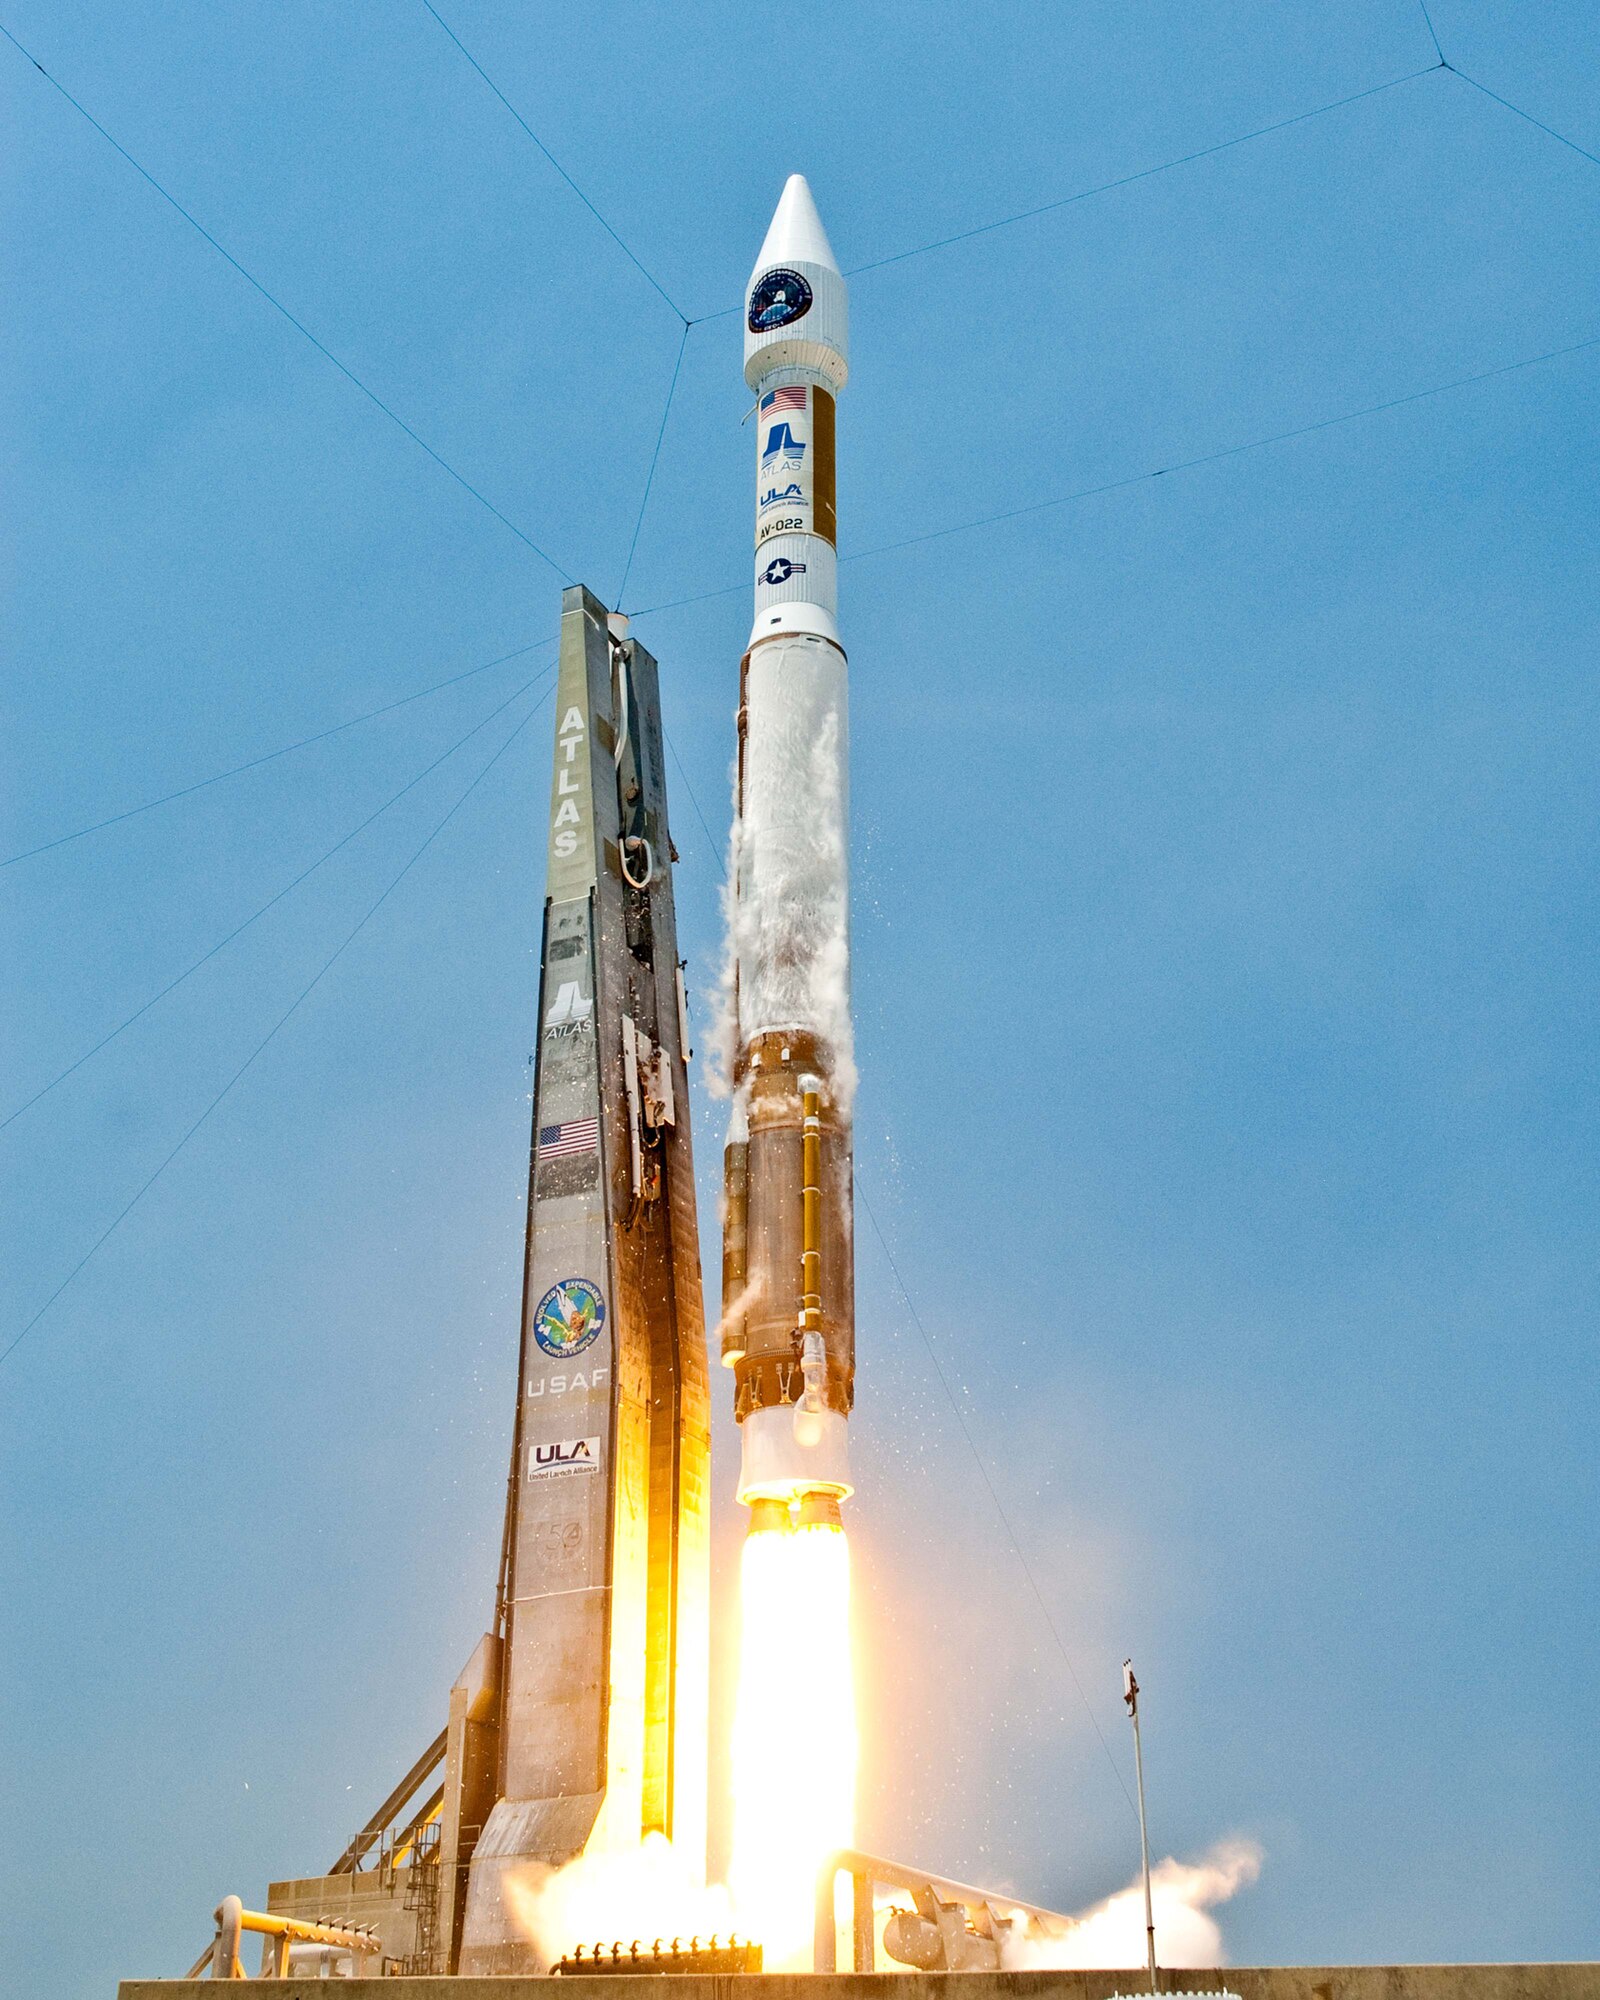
(569, 1317)
(778, 299)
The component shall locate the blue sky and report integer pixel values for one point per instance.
(1224, 910)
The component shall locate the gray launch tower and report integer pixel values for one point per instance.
(603, 1711)
(580, 1723)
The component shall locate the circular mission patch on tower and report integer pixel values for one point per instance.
(569, 1317)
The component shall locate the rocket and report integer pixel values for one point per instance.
(580, 1724)
(788, 1325)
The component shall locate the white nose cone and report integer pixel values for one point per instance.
(795, 233)
(796, 308)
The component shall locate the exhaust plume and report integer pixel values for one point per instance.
(647, 1893)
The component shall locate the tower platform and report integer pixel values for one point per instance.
(1568, 1981)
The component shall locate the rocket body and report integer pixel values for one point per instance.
(788, 1330)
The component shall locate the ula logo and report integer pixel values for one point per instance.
(570, 1455)
(783, 496)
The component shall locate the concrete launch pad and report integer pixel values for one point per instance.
(1272, 1982)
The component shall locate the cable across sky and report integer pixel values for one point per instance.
(272, 756)
(271, 903)
(284, 312)
(267, 1039)
(1215, 906)
(925, 248)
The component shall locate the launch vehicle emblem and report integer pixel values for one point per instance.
(569, 1317)
(781, 441)
(779, 299)
(780, 569)
(571, 1004)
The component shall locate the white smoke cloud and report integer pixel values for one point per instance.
(731, 1310)
(789, 924)
(723, 1052)
(1182, 1895)
(649, 1892)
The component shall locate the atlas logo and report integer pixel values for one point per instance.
(566, 817)
(781, 441)
(570, 1005)
(780, 569)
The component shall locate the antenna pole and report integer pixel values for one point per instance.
(1130, 1694)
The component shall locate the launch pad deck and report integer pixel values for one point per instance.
(1573, 1981)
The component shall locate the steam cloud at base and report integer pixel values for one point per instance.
(654, 1893)
(1112, 1933)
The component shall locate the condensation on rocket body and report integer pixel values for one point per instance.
(788, 1330)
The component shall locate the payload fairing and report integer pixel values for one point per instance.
(788, 1324)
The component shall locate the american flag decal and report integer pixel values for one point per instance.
(581, 1135)
(776, 401)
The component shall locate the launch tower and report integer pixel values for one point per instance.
(580, 1723)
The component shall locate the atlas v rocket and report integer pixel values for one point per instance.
(580, 1724)
(788, 1275)
(602, 1710)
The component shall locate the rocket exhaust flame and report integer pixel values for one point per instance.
(646, 1892)
(794, 1769)
(794, 1732)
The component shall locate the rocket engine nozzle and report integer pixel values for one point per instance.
(805, 1510)
(778, 1463)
